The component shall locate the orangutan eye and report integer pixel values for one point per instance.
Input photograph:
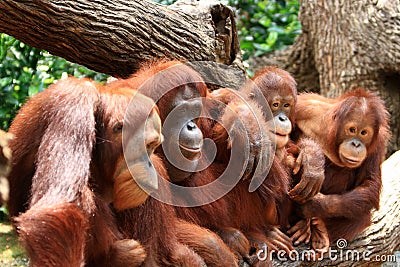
(286, 105)
(364, 132)
(275, 105)
(118, 127)
(352, 129)
(152, 144)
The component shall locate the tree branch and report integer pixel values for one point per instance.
(114, 37)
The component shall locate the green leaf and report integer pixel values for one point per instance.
(265, 21)
(272, 38)
(33, 90)
(5, 81)
(263, 47)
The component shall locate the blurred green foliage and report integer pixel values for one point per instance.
(25, 71)
(267, 25)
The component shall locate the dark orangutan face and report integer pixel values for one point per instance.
(184, 139)
(138, 146)
(178, 91)
(281, 107)
(190, 136)
(355, 136)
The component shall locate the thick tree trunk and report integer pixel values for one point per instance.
(114, 37)
(347, 44)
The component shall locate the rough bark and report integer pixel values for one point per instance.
(347, 44)
(114, 37)
(5, 158)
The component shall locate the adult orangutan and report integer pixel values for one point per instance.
(253, 207)
(155, 80)
(68, 165)
(181, 97)
(353, 132)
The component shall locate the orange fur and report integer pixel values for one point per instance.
(64, 162)
(349, 193)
